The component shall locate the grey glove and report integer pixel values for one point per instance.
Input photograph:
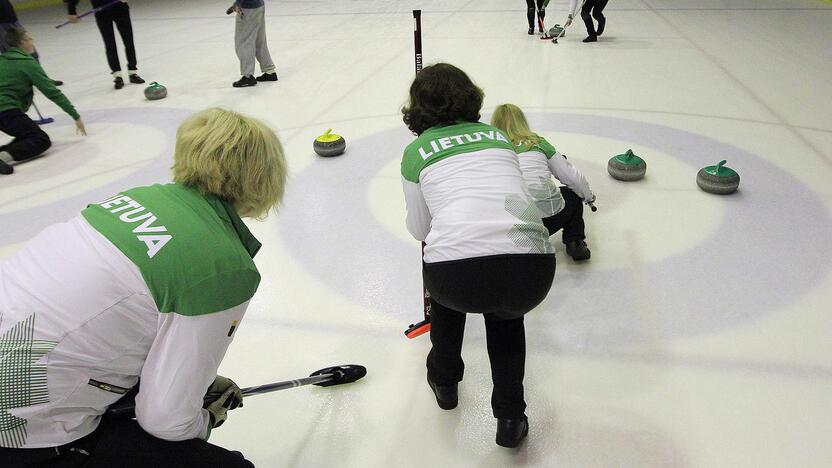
(230, 397)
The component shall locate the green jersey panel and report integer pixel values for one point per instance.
(193, 251)
(543, 146)
(438, 143)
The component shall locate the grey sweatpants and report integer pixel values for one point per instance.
(250, 41)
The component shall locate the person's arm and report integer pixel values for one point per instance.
(47, 87)
(418, 216)
(573, 7)
(564, 171)
(180, 367)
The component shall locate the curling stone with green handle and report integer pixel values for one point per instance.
(556, 31)
(329, 144)
(627, 166)
(155, 91)
(718, 179)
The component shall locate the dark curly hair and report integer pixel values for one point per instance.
(441, 94)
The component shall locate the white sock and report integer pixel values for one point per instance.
(6, 157)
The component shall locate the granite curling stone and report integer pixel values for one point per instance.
(556, 31)
(329, 144)
(718, 179)
(627, 167)
(155, 91)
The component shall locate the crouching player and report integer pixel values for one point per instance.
(147, 286)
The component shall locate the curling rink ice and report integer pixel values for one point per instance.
(698, 335)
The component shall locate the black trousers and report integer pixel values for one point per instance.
(570, 218)
(119, 15)
(121, 442)
(503, 288)
(29, 140)
(596, 7)
(530, 9)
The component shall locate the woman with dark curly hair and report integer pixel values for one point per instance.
(486, 249)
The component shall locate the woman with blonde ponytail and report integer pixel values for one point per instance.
(560, 207)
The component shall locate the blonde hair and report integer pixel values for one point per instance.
(511, 120)
(234, 157)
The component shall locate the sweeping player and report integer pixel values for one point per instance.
(19, 72)
(590, 9)
(560, 207)
(153, 283)
(118, 14)
(486, 249)
(541, 14)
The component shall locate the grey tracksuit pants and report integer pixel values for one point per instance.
(250, 41)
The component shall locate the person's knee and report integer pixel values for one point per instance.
(42, 142)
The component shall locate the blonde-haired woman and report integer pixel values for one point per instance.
(150, 283)
(560, 207)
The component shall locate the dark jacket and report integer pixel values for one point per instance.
(7, 14)
(19, 72)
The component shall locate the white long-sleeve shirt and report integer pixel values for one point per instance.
(152, 283)
(466, 197)
(539, 163)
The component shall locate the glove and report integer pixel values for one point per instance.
(230, 397)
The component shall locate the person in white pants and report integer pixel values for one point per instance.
(250, 43)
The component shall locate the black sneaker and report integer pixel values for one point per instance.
(268, 77)
(578, 250)
(118, 82)
(136, 79)
(5, 169)
(446, 395)
(510, 432)
(531, 31)
(245, 82)
(601, 24)
(591, 39)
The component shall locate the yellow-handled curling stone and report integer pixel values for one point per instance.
(329, 144)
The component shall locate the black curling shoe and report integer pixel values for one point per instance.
(245, 82)
(5, 169)
(446, 395)
(510, 432)
(590, 39)
(118, 82)
(136, 79)
(268, 77)
(531, 31)
(578, 250)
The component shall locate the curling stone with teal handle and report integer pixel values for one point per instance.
(627, 167)
(155, 91)
(718, 179)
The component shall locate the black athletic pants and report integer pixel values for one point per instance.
(121, 442)
(597, 8)
(29, 140)
(503, 288)
(530, 8)
(118, 14)
(570, 218)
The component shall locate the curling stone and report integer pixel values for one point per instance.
(627, 166)
(155, 91)
(329, 144)
(556, 31)
(718, 179)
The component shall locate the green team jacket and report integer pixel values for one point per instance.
(19, 71)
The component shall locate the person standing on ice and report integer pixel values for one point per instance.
(117, 14)
(486, 249)
(150, 283)
(590, 9)
(560, 207)
(250, 42)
